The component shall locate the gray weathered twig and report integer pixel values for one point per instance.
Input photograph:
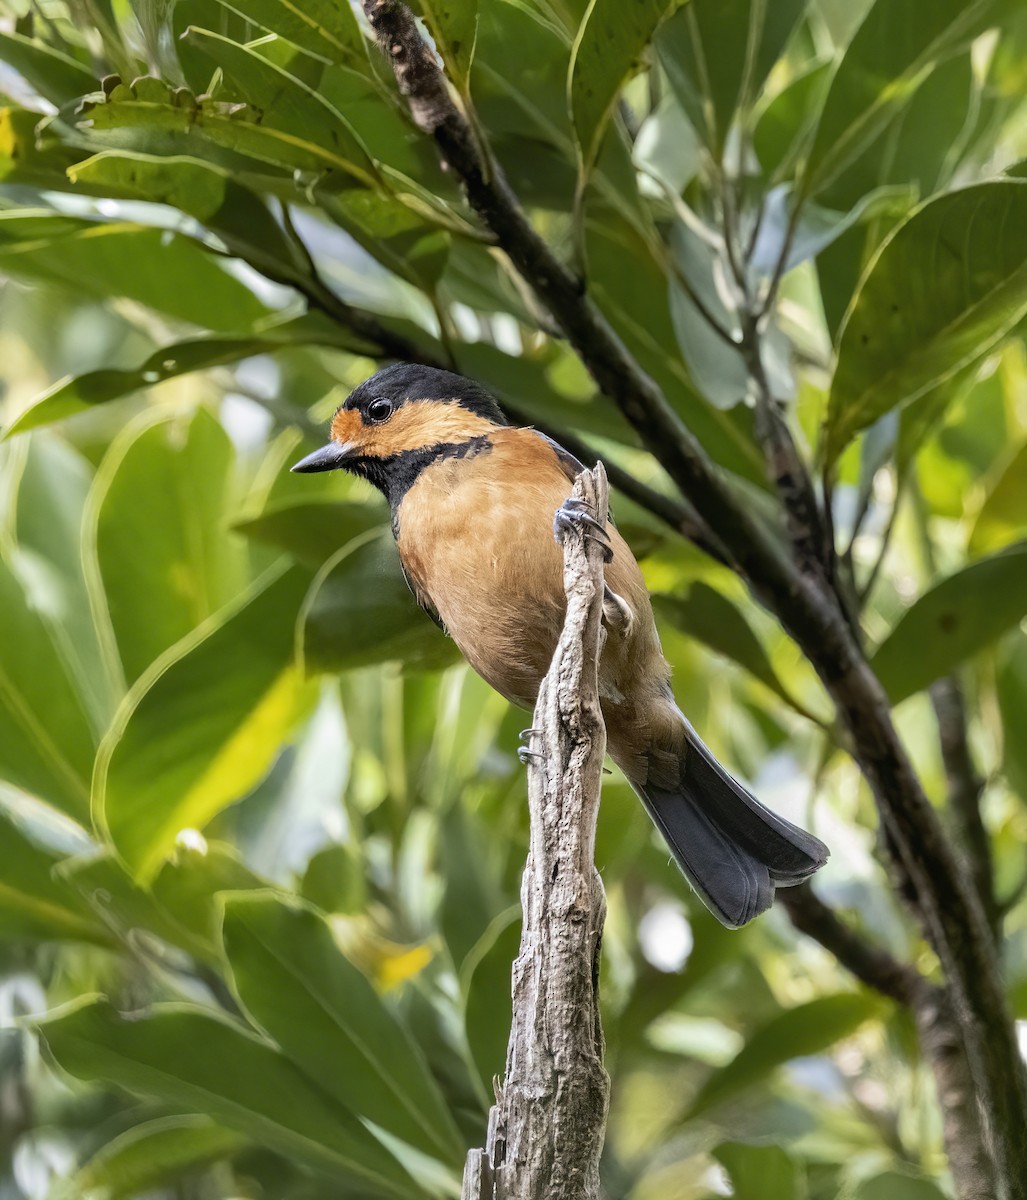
(546, 1129)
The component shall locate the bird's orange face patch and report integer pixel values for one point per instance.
(412, 426)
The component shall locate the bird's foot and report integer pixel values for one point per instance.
(524, 753)
(576, 512)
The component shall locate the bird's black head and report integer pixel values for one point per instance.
(402, 419)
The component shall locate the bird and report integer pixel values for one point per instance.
(473, 500)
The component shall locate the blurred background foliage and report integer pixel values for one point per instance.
(260, 835)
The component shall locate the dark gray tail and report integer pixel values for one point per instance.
(733, 850)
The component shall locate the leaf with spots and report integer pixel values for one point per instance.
(948, 284)
(607, 51)
(957, 618)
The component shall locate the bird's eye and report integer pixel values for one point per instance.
(379, 410)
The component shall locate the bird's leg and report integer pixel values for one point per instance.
(618, 614)
(525, 753)
(574, 511)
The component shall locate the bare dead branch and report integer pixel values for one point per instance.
(546, 1130)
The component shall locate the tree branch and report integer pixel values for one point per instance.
(966, 1146)
(946, 904)
(546, 1130)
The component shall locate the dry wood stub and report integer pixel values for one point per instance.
(546, 1129)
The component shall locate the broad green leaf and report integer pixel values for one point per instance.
(360, 611)
(1011, 693)
(34, 903)
(287, 104)
(760, 1172)
(783, 123)
(958, 617)
(896, 1185)
(489, 990)
(401, 239)
(27, 158)
(314, 532)
(81, 392)
(798, 1032)
(606, 52)
(189, 883)
(711, 618)
(167, 561)
(886, 61)
(718, 54)
(471, 899)
(181, 1055)
(47, 742)
(1003, 515)
(942, 290)
(334, 880)
(295, 982)
(55, 75)
(327, 29)
(52, 493)
(454, 27)
(152, 1156)
(165, 271)
(201, 729)
(637, 303)
(204, 191)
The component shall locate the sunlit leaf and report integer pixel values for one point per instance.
(761, 1172)
(955, 619)
(945, 287)
(198, 732)
(178, 1054)
(152, 1155)
(1003, 515)
(33, 902)
(804, 1030)
(884, 64)
(295, 983)
(606, 52)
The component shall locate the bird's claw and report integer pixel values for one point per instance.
(575, 511)
(524, 753)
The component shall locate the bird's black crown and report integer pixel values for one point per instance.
(411, 381)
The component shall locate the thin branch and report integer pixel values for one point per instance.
(870, 964)
(965, 787)
(966, 1145)
(946, 904)
(545, 1133)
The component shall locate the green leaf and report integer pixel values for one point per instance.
(958, 617)
(713, 68)
(153, 1156)
(180, 1055)
(787, 118)
(47, 742)
(26, 156)
(607, 51)
(886, 61)
(313, 532)
(52, 494)
(360, 611)
(1011, 693)
(56, 76)
(165, 271)
(199, 731)
(81, 392)
(709, 616)
(942, 290)
(166, 559)
(1003, 515)
(798, 1032)
(897, 1185)
(334, 880)
(760, 1172)
(489, 986)
(286, 103)
(295, 983)
(189, 883)
(454, 28)
(33, 902)
(327, 29)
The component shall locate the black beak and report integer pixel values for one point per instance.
(328, 458)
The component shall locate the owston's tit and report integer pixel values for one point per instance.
(473, 501)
